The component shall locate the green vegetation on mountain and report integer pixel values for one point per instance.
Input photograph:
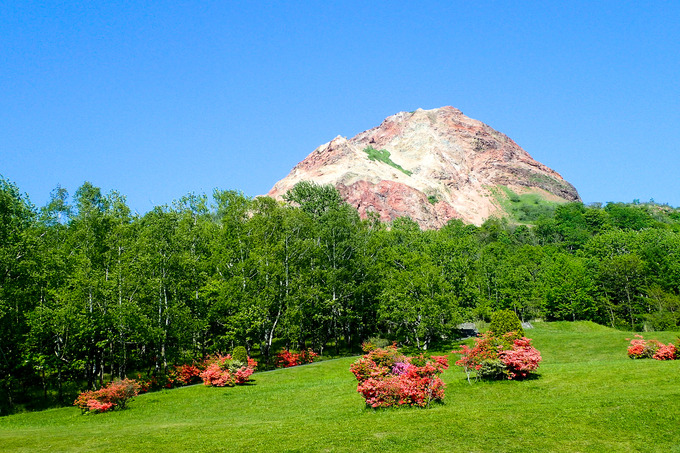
(382, 155)
(526, 208)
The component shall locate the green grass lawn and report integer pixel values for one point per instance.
(588, 396)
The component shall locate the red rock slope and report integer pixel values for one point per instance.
(442, 165)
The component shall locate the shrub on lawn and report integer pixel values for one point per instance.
(387, 378)
(504, 321)
(666, 352)
(185, 374)
(114, 395)
(239, 353)
(494, 357)
(286, 359)
(221, 371)
(374, 343)
(640, 348)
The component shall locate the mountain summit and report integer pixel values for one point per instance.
(431, 165)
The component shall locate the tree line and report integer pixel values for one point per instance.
(90, 291)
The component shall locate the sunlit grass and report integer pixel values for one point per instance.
(588, 397)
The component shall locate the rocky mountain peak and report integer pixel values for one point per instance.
(431, 165)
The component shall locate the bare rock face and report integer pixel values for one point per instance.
(430, 165)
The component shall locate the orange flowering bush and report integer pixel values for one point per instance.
(666, 352)
(286, 359)
(185, 374)
(640, 348)
(113, 395)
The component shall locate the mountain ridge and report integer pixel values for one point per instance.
(431, 165)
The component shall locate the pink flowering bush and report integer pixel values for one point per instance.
(640, 348)
(286, 359)
(521, 359)
(387, 378)
(113, 395)
(223, 371)
(499, 357)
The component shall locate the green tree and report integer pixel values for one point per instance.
(314, 199)
(416, 304)
(570, 290)
(17, 216)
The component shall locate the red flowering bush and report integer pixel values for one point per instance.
(499, 357)
(115, 394)
(651, 349)
(154, 383)
(221, 371)
(387, 378)
(286, 359)
(185, 374)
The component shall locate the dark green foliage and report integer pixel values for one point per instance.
(629, 217)
(382, 155)
(492, 370)
(239, 354)
(505, 321)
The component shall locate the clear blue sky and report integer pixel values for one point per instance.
(159, 99)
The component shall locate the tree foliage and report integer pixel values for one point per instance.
(90, 291)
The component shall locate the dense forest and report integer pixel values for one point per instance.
(90, 291)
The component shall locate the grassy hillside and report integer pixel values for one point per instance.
(588, 397)
(382, 155)
(524, 208)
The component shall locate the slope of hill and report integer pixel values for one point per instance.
(430, 165)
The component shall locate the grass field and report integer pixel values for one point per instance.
(588, 396)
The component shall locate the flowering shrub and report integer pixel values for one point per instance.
(400, 368)
(114, 394)
(221, 371)
(666, 352)
(96, 406)
(498, 357)
(645, 349)
(252, 363)
(377, 364)
(521, 360)
(642, 349)
(387, 378)
(185, 374)
(154, 383)
(286, 359)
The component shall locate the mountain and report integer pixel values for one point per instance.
(433, 166)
